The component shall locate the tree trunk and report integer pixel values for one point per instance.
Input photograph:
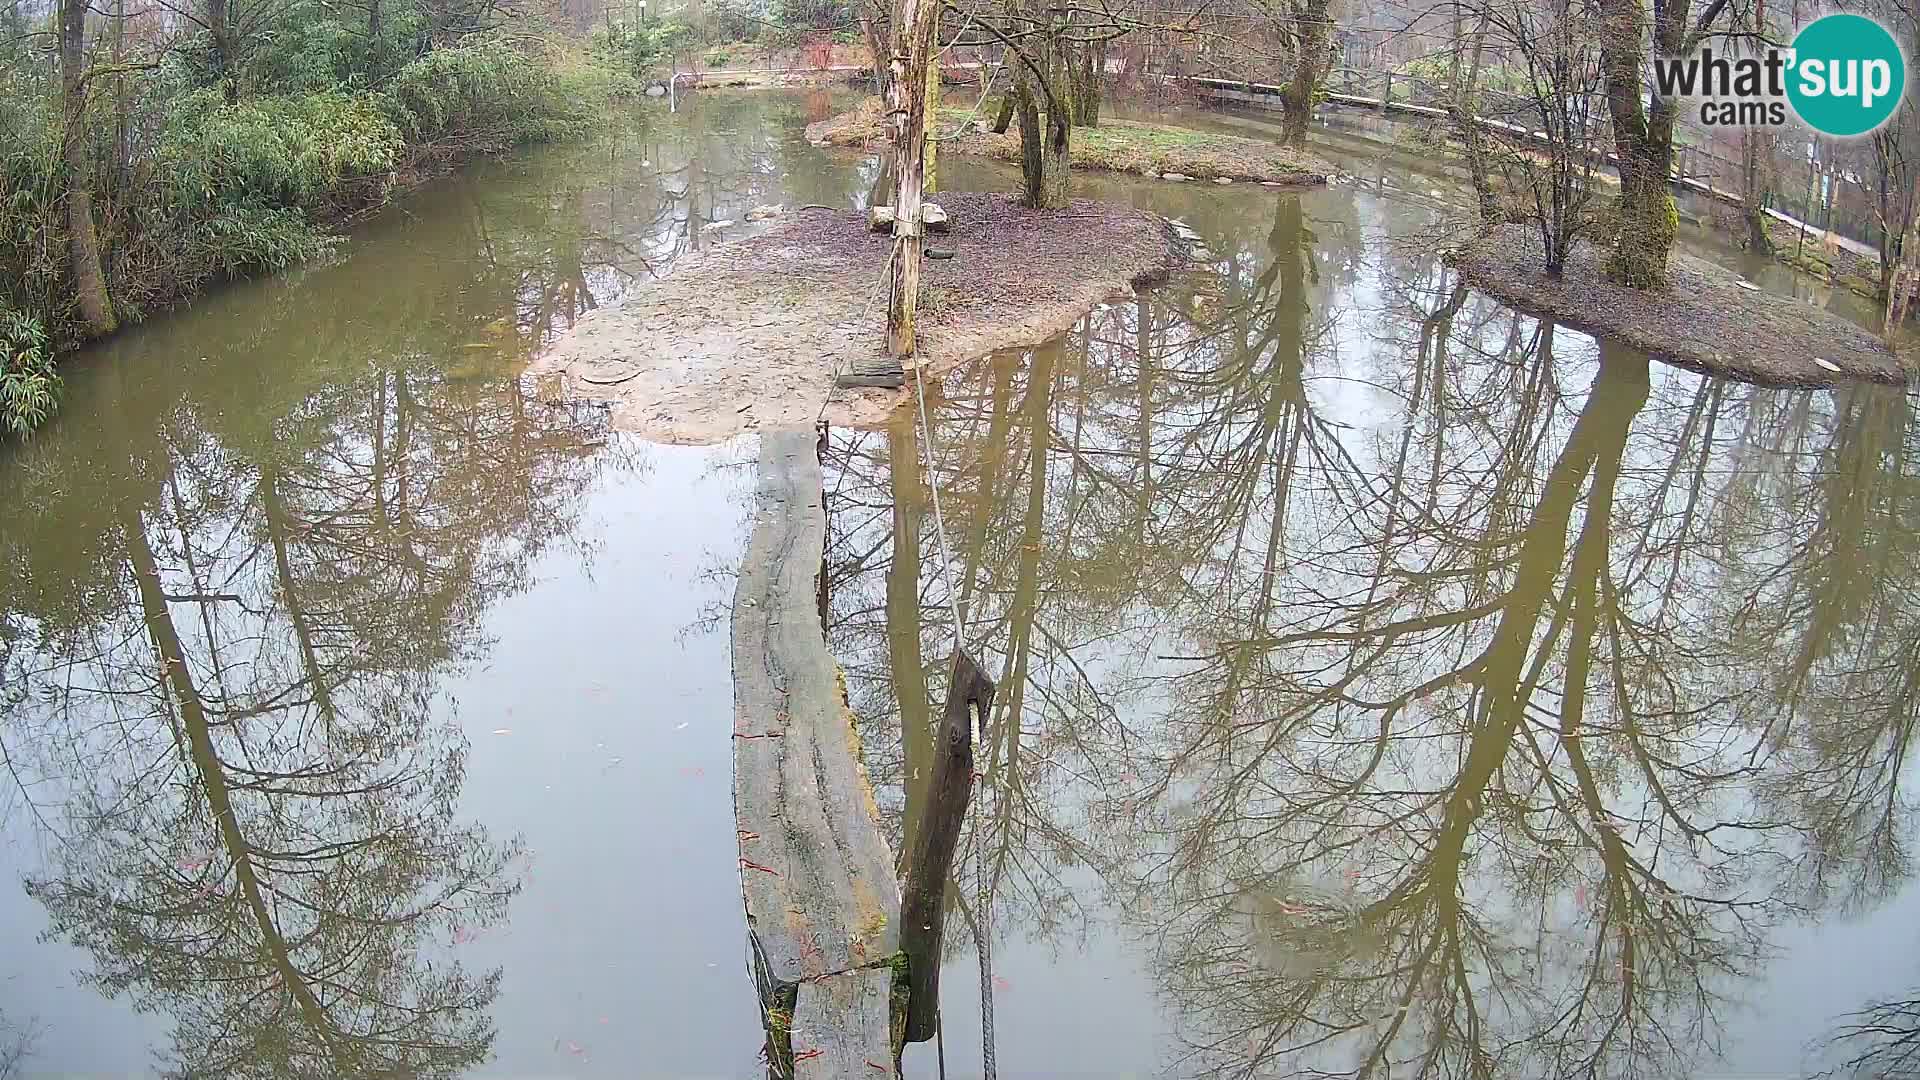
(1090, 86)
(220, 30)
(877, 45)
(1642, 140)
(1466, 121)
(915, 23)
(931, 166)
(1045, 139)
(1753, 191)
(83, 244)
(1314, 30)
(121, 162)
(1003, 119)
(373, 20)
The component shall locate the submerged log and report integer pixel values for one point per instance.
(923, 903)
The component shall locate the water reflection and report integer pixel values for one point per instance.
(235, 735)
(1423, 687)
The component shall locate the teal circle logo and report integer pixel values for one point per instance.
(1848, 75)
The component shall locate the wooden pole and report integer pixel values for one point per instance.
(923, 896)
(915, 25)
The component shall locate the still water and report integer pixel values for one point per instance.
(1391, 684)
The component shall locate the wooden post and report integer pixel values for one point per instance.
(923, 896)
(915, 25)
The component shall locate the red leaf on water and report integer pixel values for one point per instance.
(1580, 895)
(1001, 984)
(576, 1049)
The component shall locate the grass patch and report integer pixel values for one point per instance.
(1116, 145)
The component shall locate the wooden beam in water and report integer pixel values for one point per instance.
(841, 1026)
(816, 874)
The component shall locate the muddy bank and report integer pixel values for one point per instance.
(1117, 145)
(750, 333)
(1705, 319)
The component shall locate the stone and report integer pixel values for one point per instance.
(1223, 179)
(762, 213)
(656, 90)
(1174, 176)
(880, 218)
(935, 218)
(721, 224)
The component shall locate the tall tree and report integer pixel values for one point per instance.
(83, 242)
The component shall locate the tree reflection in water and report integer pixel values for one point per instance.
(239, 738)
(1482, 710)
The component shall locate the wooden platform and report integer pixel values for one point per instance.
(822, 902)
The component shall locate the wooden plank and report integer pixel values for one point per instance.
(841, 1027)
(816, 874)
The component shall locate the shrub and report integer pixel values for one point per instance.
(484, 96)
(638, 50)
(29, 387)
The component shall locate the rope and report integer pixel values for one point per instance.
(983, 929)
(984, 941)
(939, 523)
(983, 933)
(834, 379)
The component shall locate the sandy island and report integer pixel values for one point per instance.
(1705, 320)
(749, 334)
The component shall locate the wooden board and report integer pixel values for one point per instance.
(840, 1027)
(815, 870)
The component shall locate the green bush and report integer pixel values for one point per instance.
(29, 387)
(282, 150)
(209, 187)
(485, 96)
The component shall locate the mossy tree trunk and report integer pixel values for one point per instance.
(1003, 119)
(83, 242)
(1046, 118)
(1313, 29)
(1090, 83)
(1643, 135)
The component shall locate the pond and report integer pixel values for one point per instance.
(1390, 683)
